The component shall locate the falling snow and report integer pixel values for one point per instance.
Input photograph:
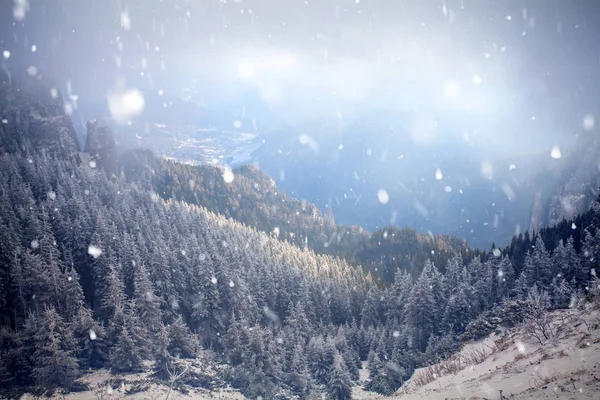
(20, 9)
(94, 251)
(309, 141)
(382, 196)
(125, 105)
(589, 122)
(228, 175)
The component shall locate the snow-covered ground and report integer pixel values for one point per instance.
(565, 366)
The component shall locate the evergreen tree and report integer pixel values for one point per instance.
(320, 359)
(91, 338)
(521, 286)
(458, 310)
(378, 375)
(234, 341)
(298, 322)
(299, 378)
(14, 355)
(590, 252)
(125, 356)
(54, 360)
(181, 342)
(505, 278)
(454, 276)
(544, 267)
(560, 293)
(339, 386)
(420, 309)
(147, 302)
(371, 312)
(397, 295)
(162, 358)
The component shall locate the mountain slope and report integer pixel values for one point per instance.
(515, 362)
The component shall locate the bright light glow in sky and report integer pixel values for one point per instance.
(317, 58)
(452, 89)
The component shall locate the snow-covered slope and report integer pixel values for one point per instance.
(564, 363)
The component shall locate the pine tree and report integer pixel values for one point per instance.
(162, 358)
(505, 278)
(206, 306)
(561, 293)
(371, 312)
(378, 375)
(91, 338)
(148, 303)
(521, 286)
(481, 281)
(339, 385)
(590, 251)
(125, 355)
(181, 342)
(299, 379)
(546, 270)
(320, 358)
(458, 310)
(54, 361)
(420, 309)
(298, 322)
(397, 295)
(14, 355)
(573, 261)
(234, 341)
(453, 274)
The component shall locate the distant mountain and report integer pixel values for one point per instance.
(408, 170)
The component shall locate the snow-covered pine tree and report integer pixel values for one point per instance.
(397, 295)
(54, 357)
(339, 385)
(320, 358)
(91, 337)
(125, 355)
(182, 344)
(420, 309)
(298, 377)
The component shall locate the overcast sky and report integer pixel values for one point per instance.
(521, 68)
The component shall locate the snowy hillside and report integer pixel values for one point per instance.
(522, 362)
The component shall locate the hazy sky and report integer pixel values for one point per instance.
(514, 69)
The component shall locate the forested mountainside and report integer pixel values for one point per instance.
(97, 271)
(251, 197)
(245, 194)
